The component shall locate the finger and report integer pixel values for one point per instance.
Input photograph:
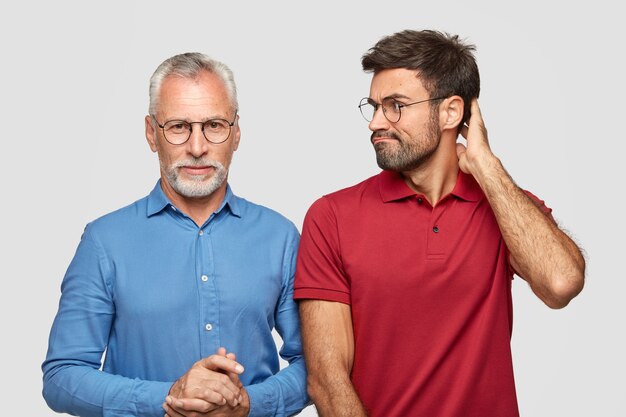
(222, 352)
(476, 116)
(234, 378)
(219, 391)
(218, 388)
(170, 411)
(460, 149)
(461, 154)
(475, 109)
(183, 405)
(196, 404)
(221, 363)
(227, 389)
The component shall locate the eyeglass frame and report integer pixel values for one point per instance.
(396, 102)
(230, 128)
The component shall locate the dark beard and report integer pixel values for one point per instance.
(404, 156)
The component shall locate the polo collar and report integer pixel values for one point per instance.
(392, 187)
(157, 201)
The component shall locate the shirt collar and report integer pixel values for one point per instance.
(392, 187)
(157, 201)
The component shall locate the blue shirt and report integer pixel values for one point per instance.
(158, 293)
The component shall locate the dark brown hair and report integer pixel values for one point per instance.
(445, 65)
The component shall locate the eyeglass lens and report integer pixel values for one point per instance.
(179, 131)
(391, 109)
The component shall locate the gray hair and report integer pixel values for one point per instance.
(189, 65)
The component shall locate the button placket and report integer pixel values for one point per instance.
(209, 297)
(436, 236)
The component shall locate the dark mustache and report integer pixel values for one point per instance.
(383, 133)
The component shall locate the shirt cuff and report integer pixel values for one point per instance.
(150, 397)
(262, 403)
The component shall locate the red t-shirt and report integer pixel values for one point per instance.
(430, 295)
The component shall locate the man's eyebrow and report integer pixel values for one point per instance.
(188, 120)
(396, 96)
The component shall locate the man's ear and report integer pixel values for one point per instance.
(451, 113)
(237, 134)
(151, 133)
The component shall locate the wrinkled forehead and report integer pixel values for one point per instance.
(202, 96)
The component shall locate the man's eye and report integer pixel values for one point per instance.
(177, 127)
(215, 125)
(392, 106)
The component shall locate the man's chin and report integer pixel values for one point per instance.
(198, 187)
(195, 192)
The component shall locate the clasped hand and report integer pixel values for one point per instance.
(211, 387)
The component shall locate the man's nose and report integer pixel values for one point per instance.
(198, 145)
(379, 121)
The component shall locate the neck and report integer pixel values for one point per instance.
(199, 209)
(437, 176)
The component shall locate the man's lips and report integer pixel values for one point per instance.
(197, 170)
(380, 136)
(379, 139)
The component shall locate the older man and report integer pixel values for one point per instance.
(165, 286)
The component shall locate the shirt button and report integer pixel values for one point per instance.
(204, 278)
(208, 327)
(200, 232)
(173, 208)
(420, 200)
(436, 229)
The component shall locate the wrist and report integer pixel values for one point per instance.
(486, 167)
(244, 405)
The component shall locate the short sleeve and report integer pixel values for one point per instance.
(319, 270)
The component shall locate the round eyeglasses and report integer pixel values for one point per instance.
(392, 109)
(178, 132)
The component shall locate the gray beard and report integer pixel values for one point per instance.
(198, 185)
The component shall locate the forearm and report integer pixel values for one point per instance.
(328, 339)
(334, 395)
(540, 252)
(84, 391)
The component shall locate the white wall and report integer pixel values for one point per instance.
(73, 93)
